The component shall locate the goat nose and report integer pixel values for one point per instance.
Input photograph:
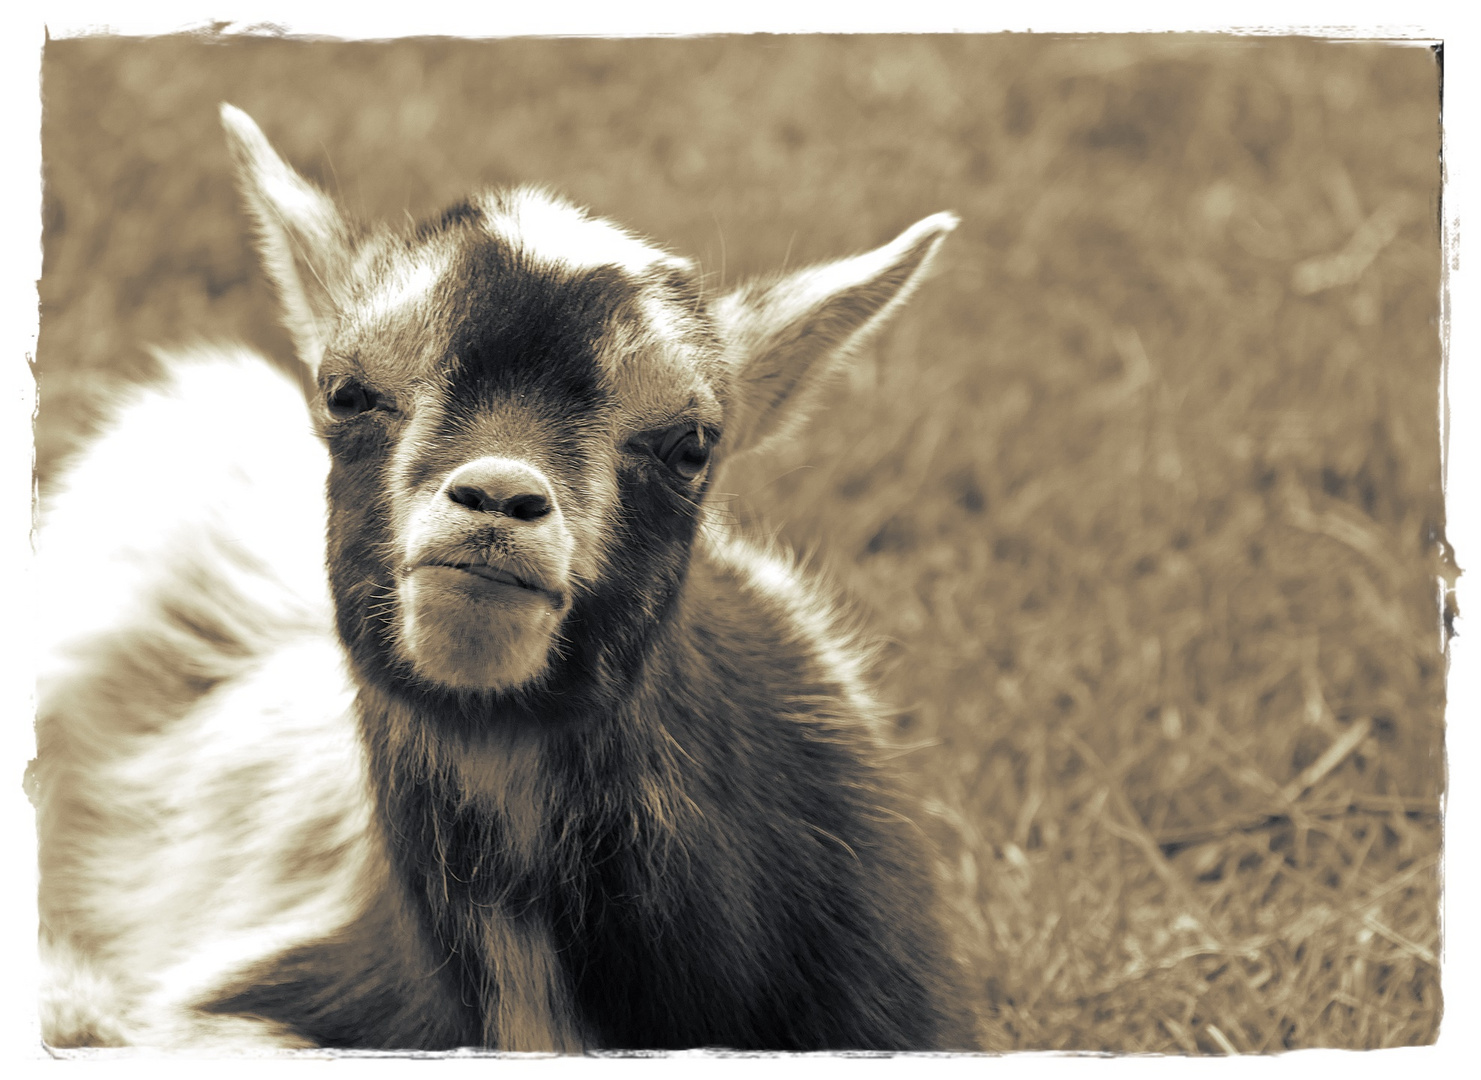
(502, 486)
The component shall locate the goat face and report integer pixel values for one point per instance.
(522, 404)
(509, 429)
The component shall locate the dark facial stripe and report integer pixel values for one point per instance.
(525, 331)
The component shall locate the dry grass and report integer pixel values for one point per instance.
(1143, 492)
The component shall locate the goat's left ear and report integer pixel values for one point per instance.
(784, 336)
(307, 246)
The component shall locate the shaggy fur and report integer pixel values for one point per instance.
(555, 763)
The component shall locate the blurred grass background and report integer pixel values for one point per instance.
(1142, 492)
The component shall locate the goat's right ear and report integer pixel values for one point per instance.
(783, 337)
(307, 247)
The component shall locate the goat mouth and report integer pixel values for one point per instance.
(499, 576)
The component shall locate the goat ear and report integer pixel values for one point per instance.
(307, 248)
(784, 336)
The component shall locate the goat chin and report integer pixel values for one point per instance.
(465, 632)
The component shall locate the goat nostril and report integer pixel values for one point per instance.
(527, 507)
(468, 495)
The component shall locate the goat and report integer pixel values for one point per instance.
(553, 760)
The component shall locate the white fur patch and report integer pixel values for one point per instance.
(241, 831)
(178, 852)
(667, 322)
(550, 230)
(223, 451)
(404, 288)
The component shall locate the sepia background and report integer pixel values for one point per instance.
(1141, 494)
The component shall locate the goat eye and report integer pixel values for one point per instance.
(349, 398)
(684, 452)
